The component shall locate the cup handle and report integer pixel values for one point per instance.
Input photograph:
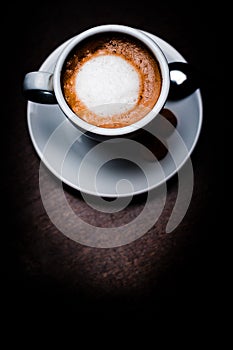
(38, 87)
(184, 80)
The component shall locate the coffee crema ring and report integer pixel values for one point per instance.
(111, 81)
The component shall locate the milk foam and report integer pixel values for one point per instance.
(108, 85)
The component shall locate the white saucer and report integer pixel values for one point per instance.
(64, 150)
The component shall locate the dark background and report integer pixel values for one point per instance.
(158, 276)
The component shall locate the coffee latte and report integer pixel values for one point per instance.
(111, 80)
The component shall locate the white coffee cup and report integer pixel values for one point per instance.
(45, 87)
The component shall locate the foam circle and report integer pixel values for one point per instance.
(108, 85)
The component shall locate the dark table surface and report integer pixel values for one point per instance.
(49, 274)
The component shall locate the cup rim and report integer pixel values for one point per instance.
(155, 49)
